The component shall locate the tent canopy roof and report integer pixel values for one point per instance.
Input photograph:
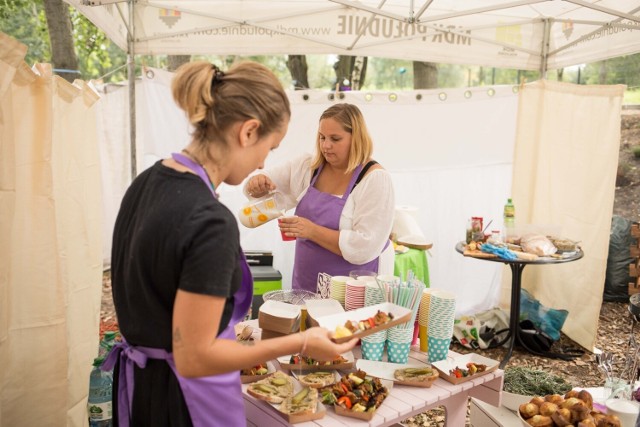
(522, 34)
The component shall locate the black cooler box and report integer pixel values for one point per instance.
(265, 277)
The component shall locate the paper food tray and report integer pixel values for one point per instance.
(297, 375)
(284, 364)
(246, 379)
(444, 366)
(321, 411)
(385, 371)
(400, 315)
(366, 416)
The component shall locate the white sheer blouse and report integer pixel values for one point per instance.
(367, 217)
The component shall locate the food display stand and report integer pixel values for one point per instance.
(403, 401)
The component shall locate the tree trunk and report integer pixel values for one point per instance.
(175, 61)
(560, 73)
(425, 75)
(297, 65)
(63, 55)
(343, 68)
(602, 75)
(359, 72)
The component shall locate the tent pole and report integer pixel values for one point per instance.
(545, 48)
(131, 74)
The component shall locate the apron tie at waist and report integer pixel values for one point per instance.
(128, 356)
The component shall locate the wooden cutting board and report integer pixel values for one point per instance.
(424, 247)
(478, 254)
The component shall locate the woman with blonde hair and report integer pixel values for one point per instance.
(179, 277)
(344, 201)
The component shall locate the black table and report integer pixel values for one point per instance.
(517, 265)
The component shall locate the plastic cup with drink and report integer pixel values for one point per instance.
(283, 233)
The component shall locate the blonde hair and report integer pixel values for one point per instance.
(350, 118)
(214, 100)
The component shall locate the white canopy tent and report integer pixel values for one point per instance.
(579, 140)
(521, 34)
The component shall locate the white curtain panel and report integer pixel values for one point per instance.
(449, 153)
(564, 173)
(51, 251)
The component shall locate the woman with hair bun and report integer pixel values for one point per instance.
(180, 281)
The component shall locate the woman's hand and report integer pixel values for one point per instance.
(296, 226)
(260, 185)
(318, 345)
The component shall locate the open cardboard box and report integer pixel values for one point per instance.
(445, 366)
(321, 307)
(284, 364)
(400, 315)
(277, 316)
(386, 371)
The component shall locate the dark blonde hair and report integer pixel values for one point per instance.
(214, 100)
(352, 121)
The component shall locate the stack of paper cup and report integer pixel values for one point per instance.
(399, 343)
(373, 345)
(373, 294)
(354, 295)
(338, 288)
(423, 319)
(442, 310)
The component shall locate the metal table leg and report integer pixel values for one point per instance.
(516, 283)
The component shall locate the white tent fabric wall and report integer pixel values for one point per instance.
(451, 159)
(564, 174)
(50, 256)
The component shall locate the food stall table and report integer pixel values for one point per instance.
(402, 402)
(517, 266)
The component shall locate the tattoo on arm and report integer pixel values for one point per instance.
(177, 338)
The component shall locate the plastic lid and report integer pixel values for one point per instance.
(509, 200)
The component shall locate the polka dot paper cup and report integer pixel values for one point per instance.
(372, 346)
(399, 344)
(438, 349)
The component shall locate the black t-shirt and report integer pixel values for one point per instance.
(170, 234)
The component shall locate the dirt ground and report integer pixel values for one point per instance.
(615, 322)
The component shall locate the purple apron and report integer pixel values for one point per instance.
(310, 259)
(212, 401)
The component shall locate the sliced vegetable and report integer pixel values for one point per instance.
(355, 379)
(299, 397)
(344, 401)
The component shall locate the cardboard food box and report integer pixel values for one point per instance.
(284, 362)
(400, 315)
(301, 418)
(277, 316)
(266, 334)
(317, 308)
(386, 370)
(444, 367)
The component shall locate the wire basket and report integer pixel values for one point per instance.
(292, 296)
